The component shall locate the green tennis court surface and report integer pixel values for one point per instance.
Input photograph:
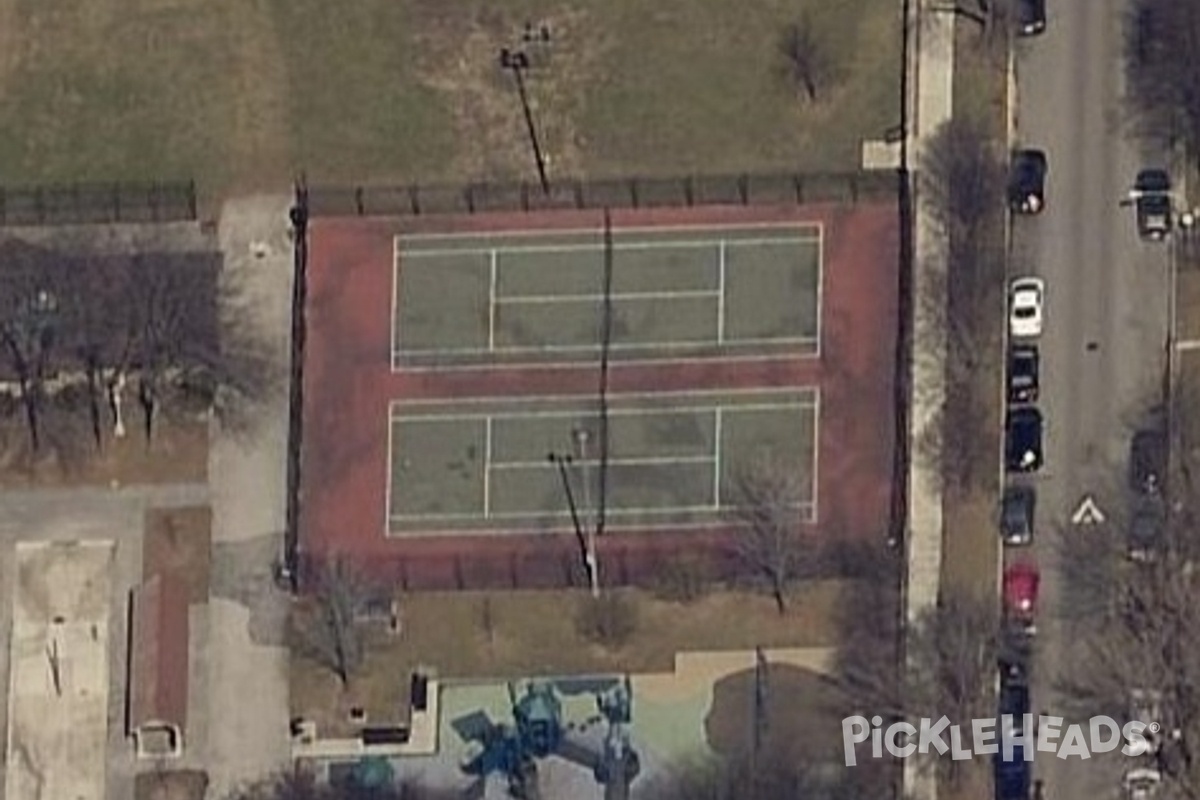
(672, 458)
(675, 292)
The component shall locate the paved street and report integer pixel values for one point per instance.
(1106, 312)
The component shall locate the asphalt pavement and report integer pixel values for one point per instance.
(1106, 318)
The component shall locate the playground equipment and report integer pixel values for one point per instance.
(538, 731)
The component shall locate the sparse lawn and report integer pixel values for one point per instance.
(1187, 304)
(970, 539)
(240, 95)
(186, 784)
(534, 633)
(179, 540)
(177, 454)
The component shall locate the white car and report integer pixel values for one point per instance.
(1025, 307)
(1145, 706)
(1142, 783)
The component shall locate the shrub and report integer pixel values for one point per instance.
(608, 620)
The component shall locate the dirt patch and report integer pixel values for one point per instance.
(530, 633)
(178, 453)
(179, 540)
(187, 784)
(461, 52)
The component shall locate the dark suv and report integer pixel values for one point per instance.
(1031, 17)
(1023, 440)
(1016, 515)
(1152, 191)
(1023, 374)
(1147, 460)
(1027, 181)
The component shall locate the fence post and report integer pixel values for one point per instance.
(458, 572)
(633, 192)
(512, 568)
(798, 183)
(358, 201)
(689, 191)
(524, 196)
(415, 193)
(578, 189)
(469, 196)
(192, 203)
(743, 187)
(853, 188)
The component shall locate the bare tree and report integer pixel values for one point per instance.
(962, 176)
(299, 784)
(770, 543)
(772, 776)
(1162, 50)
(808, 59)
(327, 630)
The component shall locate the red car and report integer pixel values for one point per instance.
(1021, 592)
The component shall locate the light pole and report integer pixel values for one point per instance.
(517, 62)
(580, 435)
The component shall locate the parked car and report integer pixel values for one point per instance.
(1027, 181)
(1152, 200)
(1021, 582)
(1145, 705)
(1025, 307)
(1147, 525)
(1016, 515)
(1142, 783)
(1147, 460)
(1031, 17)
(1013, 701)
(1023, 371)
(1013, 776)
(1023, 439)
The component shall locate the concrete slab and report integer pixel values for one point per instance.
(59, 679)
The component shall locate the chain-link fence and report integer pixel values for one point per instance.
(683, 192)
(97, 203)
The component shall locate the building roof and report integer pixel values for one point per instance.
(158, 667)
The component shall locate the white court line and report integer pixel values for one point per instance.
(540, 514)
(721, 255)
(632, 461)
(820, 285)
(391, 463)
(394, 322)
(546, 233)
(487, 469)
(538, 527)
(717, 460)
(666, 294)
(399, 364)
(590, 247)
(815, 491)
(591, 348)
(690, 411)
(492, 304)
(758, 391)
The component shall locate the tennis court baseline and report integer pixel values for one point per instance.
(672, 292)
(673, 458)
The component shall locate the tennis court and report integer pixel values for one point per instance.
(672, 458)
(662, 293)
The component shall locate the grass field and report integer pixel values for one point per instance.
(447, 631)
(240, 94)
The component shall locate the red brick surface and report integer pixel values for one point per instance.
(348, 383)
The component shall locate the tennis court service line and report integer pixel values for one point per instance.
(714, 414)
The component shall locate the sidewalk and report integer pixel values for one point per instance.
(931, 80)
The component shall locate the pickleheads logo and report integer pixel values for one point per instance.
(1011, 738)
